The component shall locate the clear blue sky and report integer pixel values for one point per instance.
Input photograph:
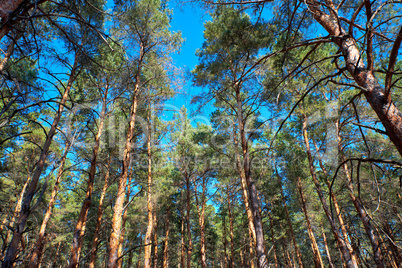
(188, 19)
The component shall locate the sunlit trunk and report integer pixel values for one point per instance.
(80, 226)
(31, 189)
(343, 244)
(38, 249)
(95, 240)
(316, 252)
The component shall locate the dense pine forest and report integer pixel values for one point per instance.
(280, 147)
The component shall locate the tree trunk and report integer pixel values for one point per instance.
(95, 239)
(37, 254)
(232, 258)
(331, 264)
(316, 252)
(273, 240)
(292, 234)
(182, 251)
(150, 206)
(224, 242)
(16, 212)
(188, 223)
(123, 224)
(201, 219)
(362, 212)
(244, 187)
(166, 242)
(122, 180)
(254, 202)
(155, 248)
(394, 249)
(26, 205)
(349, 258)
(80, 227)
(378, 97)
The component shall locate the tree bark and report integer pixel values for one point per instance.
(123, 224)
(292, 234)
(122, 180)
(254, 202)
(362, 212)
(80, 227)
(316, 252)
(155, 247)
(331, 264)
(273, 240)
(232, 252)
(201, 219)
(379, 98)
(166, 242)
(150, 206)
(188, 223)
(26, 205)
(95, 239)
(38, 249)
(349, 258)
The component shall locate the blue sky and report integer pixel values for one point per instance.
(190, 21)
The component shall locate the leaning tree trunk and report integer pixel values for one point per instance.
(349, 258)
(361, 212)
(80, 227)
(26, 205)
(316, 251)
(331, 264)
(122, 180)
(378, 97)
(95, 239)
(38, 249)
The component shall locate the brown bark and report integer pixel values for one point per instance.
(139, 254)
(362, 212)
(9, 51)
(316, 252)
(330, 263)
(95, 239)
(244, 186)
(292, 234)
(150, 206)
(155, 248)
(379, 99)
(188, 223)
(224, 242)
(394, 249)
(182, 248)
(252, 190)
(80, 227)
(273, 240)
(38, 249)
(201, 219)
(343, 244)
(17, 211)
(122, 180)
(123, 224)
(232, 257)
(166, 242)
(26, 205)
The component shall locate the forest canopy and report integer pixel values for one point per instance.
(280, 147)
